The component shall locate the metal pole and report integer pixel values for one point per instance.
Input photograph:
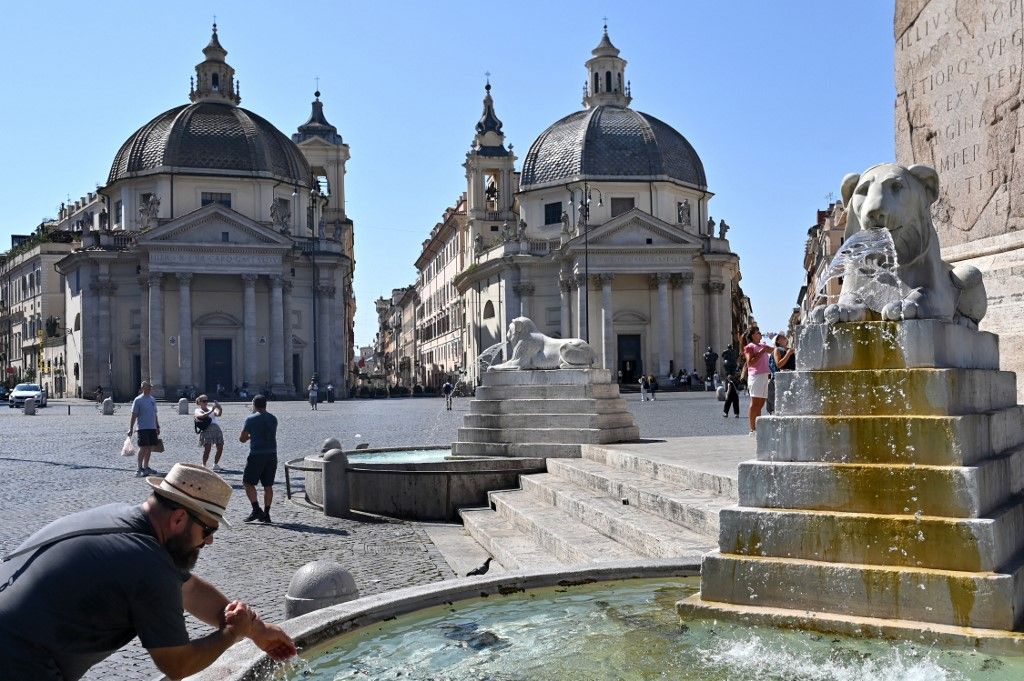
(586, 262)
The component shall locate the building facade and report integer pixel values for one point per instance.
(823, 241)
(222, 255)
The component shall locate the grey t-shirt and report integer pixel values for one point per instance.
(67, 606)
(262, 428)
(145, 407)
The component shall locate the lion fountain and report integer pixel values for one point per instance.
(533, 350)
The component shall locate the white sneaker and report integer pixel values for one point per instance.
(725, 416)
(752, 433)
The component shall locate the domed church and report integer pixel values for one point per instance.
(603, 235)
(221, 255)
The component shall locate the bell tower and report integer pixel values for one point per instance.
(606, 76)
(214, 79)
(490, 173)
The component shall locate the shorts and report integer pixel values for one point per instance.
(147, 437)
(757, 385)
(213, 435)
(261, 468)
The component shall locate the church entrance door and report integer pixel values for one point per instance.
(218, 366)
(630, 363)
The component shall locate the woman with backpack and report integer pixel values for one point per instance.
(209, 431)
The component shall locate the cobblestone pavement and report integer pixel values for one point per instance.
(55, 463)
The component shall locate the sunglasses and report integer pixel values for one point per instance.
(207, 530)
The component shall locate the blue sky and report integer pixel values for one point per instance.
(779, 99)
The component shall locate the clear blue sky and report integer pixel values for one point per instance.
(779, 99)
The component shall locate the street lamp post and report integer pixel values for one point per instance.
(584, 224)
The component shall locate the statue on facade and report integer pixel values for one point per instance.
(584, 214)
(683, 213)
(729, 361)
(281, 217)
(149, 210)
(521, 230)
(711, 225)
(507, 233)
(722, 229)
(533, 350)
(710, 362)
(478, 244)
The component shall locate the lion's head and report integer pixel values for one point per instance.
(520, 328)
(889, 196)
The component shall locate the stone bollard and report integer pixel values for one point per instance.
(316, 585)
(329, 444)
(29, 408)
(183, 406)
(335, 484)
(108, 406)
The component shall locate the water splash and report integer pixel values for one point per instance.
(489, 357)
(868, 258)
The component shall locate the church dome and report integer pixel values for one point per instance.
(610, 142)
(211, 135)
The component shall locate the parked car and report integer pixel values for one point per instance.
(23, 391)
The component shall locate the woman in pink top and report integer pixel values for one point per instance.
(756, 354)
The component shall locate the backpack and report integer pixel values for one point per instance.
(202, 423)
(772, 366)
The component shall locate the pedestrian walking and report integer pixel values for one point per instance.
(732, 396)
(210, 433)
(86, 584)
(448, 390)
(260, 431)
(652, 382)
(644, 385)
(314, 393)
(144, 413)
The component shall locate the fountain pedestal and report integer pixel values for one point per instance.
(886, 493)
(544, 413)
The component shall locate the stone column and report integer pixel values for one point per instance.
(286, 295)
(607, 331)
(184, 329)
(156, 333)
(713, 290)
(511, 286)
(144, 325)
(325, 369)
(725, 320)
(664, 325)
(685, 281)
(276, 333)
(249, 332)
(565, 286)
(105, 289)
(581, 305)
(523, 292)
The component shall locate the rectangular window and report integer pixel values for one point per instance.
(225, 237)
(222, 198)
(552, 213)
(119, 212)
(621, 205)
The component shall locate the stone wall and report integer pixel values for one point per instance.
(958, 93)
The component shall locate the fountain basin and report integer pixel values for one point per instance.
(424, 483)
(615, 621)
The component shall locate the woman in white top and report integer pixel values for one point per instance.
(211, 434)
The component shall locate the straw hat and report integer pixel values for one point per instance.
(196, 488)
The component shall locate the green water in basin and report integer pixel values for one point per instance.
(619, 630)
(402, 456)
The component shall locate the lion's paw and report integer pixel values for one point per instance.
(817, 315)
(910, 309)
(831, 314)
(893, 312)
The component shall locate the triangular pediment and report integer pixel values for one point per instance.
(207, 225)
(636, 228)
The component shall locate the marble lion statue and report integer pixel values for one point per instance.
(533, 350)
(889, 196)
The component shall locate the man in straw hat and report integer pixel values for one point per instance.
(86, 584)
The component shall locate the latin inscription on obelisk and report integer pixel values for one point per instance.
(959, 65)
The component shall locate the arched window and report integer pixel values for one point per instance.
(620, 82)
(215, 79)
(78, 322)
(608, 81)
(597, 82)
(489, 310)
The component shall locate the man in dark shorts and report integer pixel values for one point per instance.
(88, 583)
(144, 412)
(260, 431)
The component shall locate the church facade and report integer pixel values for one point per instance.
(221, 254)
(604, 234)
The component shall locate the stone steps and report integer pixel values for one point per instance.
(556, 421)
(694, 509)
(966, 599)
(520, 449)
(510, 547)
(548, 435)
(964, 544)
(676, 474)
(573, 405)
(893, 392)
(922, 440)
(644, 532)
(953, 491)
(544, 392)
